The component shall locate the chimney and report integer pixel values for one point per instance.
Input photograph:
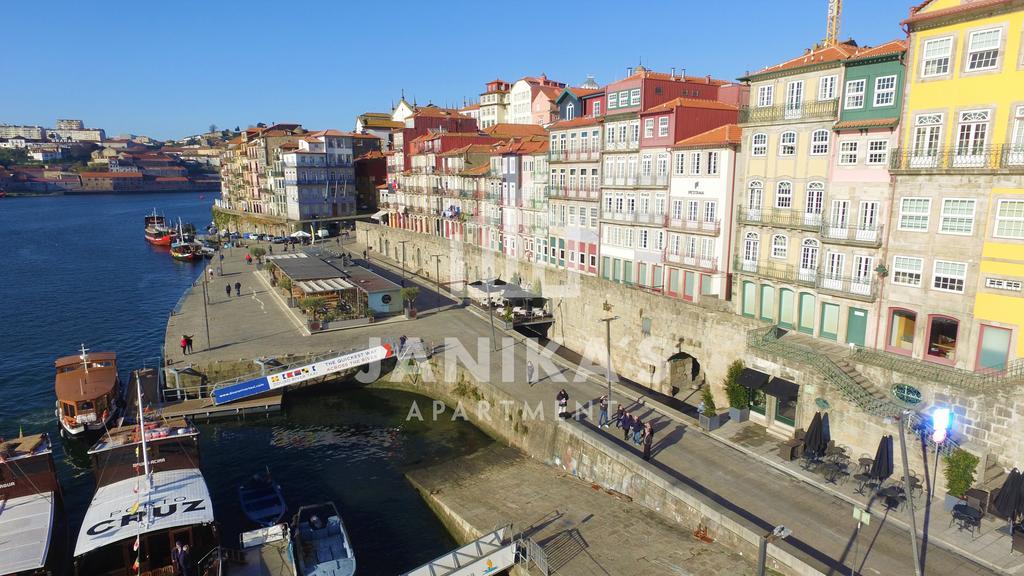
(673, 72)
(629, 70)
(682, 73)
(709, 78)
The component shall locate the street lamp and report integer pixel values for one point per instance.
(402, 242)
(490, 313)
(907, 486)
(942, 421)
(608, 346)
(437, 272)
(778, 533)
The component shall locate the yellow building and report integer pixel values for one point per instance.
(956, 244)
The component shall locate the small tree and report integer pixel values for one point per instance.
(960, 467)
(258, 252)
(312, 305)
(710, 410)
(739, 396)
(409, 295)
(286, 285)
(213, 128)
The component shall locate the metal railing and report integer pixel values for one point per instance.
(654, 180)
(589, 154)
(1008, 157)
(870, 237)
(620, 180)
(696, 227)
(620, 146)
(855, 287)
(1013, 372)
(814, 110)
(779, 217)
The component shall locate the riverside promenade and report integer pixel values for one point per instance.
(740, 483)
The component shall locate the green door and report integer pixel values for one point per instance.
(856, 326)
(829, 321)
(786, 309)
(806, 313)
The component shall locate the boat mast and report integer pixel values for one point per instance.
(85, 358)
(142, 433)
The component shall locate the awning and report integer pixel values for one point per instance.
(178, 498)
(324, 285)
(25, 524)
(752, 379)
(379, 214)
(781, 388)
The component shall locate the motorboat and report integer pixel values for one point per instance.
(31, 510)
(321, 544)
(261, 499)
(158, 232)
(89, 394)
(266, 552)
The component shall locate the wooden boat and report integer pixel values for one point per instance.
(31, 510)
(261, 499)
(185, 248)
(266, 552)
(89, 394)
(150, 495)
(321, 544)
(157, 231)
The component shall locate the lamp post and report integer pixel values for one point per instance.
(608, 346)
(910, 500)
(942, 420)
(437, 273)
(403, 242)
(490, 314)
(778, 533)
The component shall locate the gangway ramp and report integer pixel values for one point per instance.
(489, 554)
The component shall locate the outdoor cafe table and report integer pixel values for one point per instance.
(967, 517)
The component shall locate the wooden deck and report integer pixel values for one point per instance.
(196, 408)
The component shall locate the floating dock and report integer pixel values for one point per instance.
(203, 408)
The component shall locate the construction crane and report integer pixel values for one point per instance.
(835, 11)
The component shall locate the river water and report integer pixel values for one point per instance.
(78, 271)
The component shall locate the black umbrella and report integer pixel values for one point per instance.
(888, 456)
(812, 438)
(1008, 497)
(881, 467)
(826, 431)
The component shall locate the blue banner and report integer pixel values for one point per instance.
(241, 390)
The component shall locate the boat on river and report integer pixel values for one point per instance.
(185, 247)
(261, 499)
(32, 542)
(266, 552)
(158, 232)
(321, 545)
(89, 393)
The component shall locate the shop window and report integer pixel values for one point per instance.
(902, 324)
(785, 410)
(994, 349)
(758, 402)
(942, 336)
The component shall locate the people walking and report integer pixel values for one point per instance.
(227, 290)
(529, 373)
(626, 423)
(648, 440)
(209, 273)
(188, 342)
(619, 413)
(602, 419)
(401, 342)
(185, 561)
(248, 258)
(563, 403)
(638, 430)
(238, 288)
(184, 345)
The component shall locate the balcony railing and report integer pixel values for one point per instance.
(869, 237)
(621, 146)
(780, 218)
(696, 227)
(816, 110)
(616, 216)
(706, 264)
(856, 287)
(1008, 158)
(654, 180)
(589, 154)
(620, 180)
(660, 220)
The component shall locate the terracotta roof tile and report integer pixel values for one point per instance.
(100, 175)
(890, 47)
(665, 76)
(515, 130)
(833, 53)
(576, 122)
(685, 102)
(916, 14)
(870, 123)
(721, 136)
(476, 170)
(580, 92)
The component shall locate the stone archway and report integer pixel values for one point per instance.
(684, 372)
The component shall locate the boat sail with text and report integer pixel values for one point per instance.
(30, 507)
(150, 496)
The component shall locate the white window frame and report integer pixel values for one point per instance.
(662, 126)
(695, 163)
(827, 87)
(819, 142)
(759, 149)
(787, 148)
(597, 108)
(971, 50)
(712, 163)
(846, 149)
(946, 55)
(876, 156)
(765, 96)
(955, 219)
(926, 214)
(787, 187)
(780, 246)
(889, 92)
(904, 266)
(855, 94)
(680, 164)
(962, 278)
(613, 100)
(649, 128)
(1015, 221)
(634, 97)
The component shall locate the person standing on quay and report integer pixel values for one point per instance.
(563, 402)
(188, 342)
(529, 373)
(648, 440)
(248, 258)
(602, 419)
(184, 345)
(638, 430)
(238, 288)
(227, 290)
(620, 412)
(626, 423)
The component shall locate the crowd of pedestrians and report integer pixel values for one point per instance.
(633, 427)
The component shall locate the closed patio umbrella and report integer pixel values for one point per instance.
(826, 432)
(1010, 500)
(881, 468)
(812, 438)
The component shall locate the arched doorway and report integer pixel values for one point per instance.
(684, 373)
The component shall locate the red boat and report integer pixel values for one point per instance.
(157, 231)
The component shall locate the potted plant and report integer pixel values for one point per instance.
(959, 467)
(409, 295)
(708, 412)
(370, 314)
(739, 396)
(311, 305)
(286, 285)
(272, 270)
(258, 252)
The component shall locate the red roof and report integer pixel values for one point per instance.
(515, 146)
(645, 73)
(916, 14)
(721, 136)
(870, 123)
(685, 102)
(551, 92)
(371, 155)
(576, 122)
(516, 130)
(468, 149)
(890, 47)
(470, 107)
(581, 92)
(832, 53)
(103, 175)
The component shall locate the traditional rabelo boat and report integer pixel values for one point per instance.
(150, 496)
(185, 247)
(89, 394)
(157, 231)
(30, 508)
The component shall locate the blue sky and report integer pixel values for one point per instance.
(167, 69)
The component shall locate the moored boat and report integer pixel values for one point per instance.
(321, 543)
(261, 499)
(150, 497)
(157, 230)
(186, 251)
(30, 508)
(266, 552)
(89, 394)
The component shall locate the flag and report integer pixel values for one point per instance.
(134, 508)
(135, 566)
(135, 546)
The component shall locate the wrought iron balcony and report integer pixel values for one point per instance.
(620, 180)
(618, 146)
(869, 237)
(695, 227)
(816, 110)
(588, 154)
(705, 264)
(780, 218)
(969, 159)
(855, 287)
(654, 180)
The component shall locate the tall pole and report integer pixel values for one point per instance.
(909, 496)
(437, 273)
(490, 316)
(206, 315)
(402, 242)
(608, 348)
